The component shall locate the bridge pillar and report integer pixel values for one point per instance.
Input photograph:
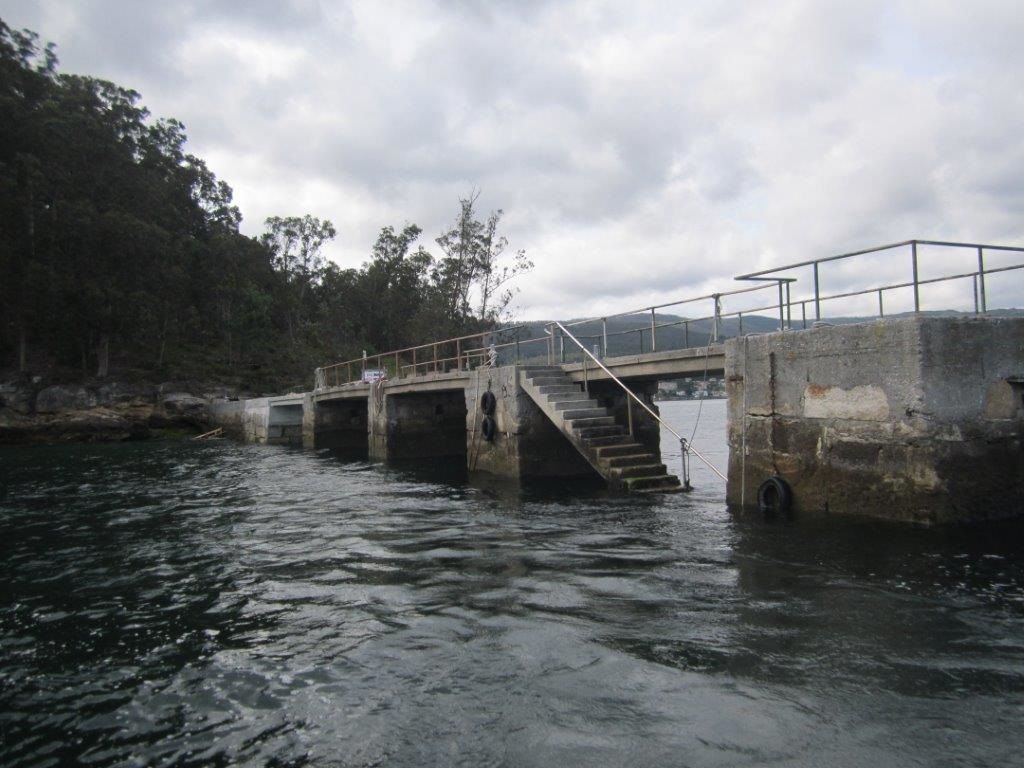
(415, 425)
(335, 423)
(917, 419)
(525, 445)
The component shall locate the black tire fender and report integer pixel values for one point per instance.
(774, 497)
(488, 402)
(488, 428)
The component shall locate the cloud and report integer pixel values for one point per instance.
(640, 152)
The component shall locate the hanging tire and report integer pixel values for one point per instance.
(488, 402)
(487, 428)
(774, 497)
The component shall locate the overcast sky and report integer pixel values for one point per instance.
(641, 151)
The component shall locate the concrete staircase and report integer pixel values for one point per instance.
(624, 463)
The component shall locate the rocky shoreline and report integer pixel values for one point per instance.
(32, 411)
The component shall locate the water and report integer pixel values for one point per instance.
(214, 604)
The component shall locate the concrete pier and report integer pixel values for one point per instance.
(916, 419)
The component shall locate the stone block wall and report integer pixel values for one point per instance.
(916, 419)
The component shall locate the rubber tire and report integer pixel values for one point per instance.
(487, 428)
(774, 497)
(488, 402)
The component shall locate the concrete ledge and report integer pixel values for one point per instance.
(654, 365)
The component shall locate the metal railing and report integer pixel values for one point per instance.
(631, 396)
(444, 356)
(915, 282)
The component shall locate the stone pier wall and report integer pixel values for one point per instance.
(428, 424)
(526, 444)
(916, 419)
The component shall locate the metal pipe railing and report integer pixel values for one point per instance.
(915, 282)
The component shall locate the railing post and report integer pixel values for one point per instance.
(604, 336)
(782, 317)
(789, 307)
(435, 358)
(561, 348)
(803, 313)
(414, 361)
(517, 350)
(398, 369)
(629, 413)
(686, 334)
(717, 318)
(458, 354)
(817, 297)
(881, 308)
(740, 316)
(981, 281)
(913, 264)
(974, 280)
(654, 332)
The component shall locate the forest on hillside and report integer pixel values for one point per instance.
(121, 255)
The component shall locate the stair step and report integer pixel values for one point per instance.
(639, 470)
(554, 389)
(619, 448)
(577, 405)
(565, 397)
(574, 414)
(629, 460)
(594, 421)
(547, 380)
(597, 432)
(614, 439)
(653, 484)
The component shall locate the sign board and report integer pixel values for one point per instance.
(374, 374)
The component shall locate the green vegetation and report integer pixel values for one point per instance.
(120, 253)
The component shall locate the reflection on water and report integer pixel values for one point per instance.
(211, 604)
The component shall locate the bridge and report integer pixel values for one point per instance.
(841, 413)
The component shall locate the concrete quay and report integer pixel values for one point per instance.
(914, 419)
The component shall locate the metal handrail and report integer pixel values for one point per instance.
(916, 282)
(683, 443)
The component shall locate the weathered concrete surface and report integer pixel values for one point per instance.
(268, 420)
(526, 444)
(408, 425)
(916, 419)
(335, 423)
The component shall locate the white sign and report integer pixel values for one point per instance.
(374, 374)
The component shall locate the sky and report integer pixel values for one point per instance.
(642, 152)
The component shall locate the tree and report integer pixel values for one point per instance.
(295, 245)
(473, 277)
